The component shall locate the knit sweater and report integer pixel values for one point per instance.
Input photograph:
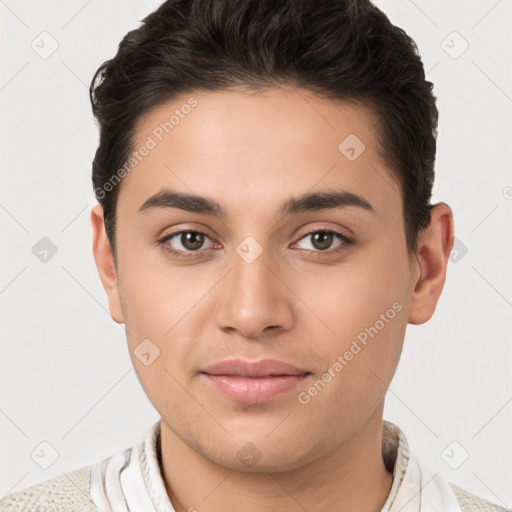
(132, 480)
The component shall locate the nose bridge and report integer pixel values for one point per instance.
(253, 298)
(251, 273)
(252, 285)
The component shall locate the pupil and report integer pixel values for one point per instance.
(322, 240)
(192, 241)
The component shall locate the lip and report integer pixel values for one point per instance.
(263, 368)
(253, 382)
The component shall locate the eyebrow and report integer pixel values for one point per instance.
(167, 198)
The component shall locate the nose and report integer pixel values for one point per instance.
(254, 299)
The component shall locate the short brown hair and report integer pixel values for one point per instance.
(340, 49)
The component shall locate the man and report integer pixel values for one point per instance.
(265, 234)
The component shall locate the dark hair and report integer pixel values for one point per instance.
(339, 49)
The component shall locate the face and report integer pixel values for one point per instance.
(249, 268)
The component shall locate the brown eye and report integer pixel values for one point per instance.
(186, 242)
(192, 240)
(323, 241)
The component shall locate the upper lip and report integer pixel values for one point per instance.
(263, 368)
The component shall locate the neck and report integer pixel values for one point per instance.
(352, 476)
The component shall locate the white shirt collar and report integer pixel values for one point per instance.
(415, 487)
(132, 479)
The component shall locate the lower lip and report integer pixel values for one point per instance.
(254, 390)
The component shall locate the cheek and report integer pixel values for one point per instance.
(362, 308)
(168, 306)
(361, 361)
(159, 309)
(156, 295)
(351, 298)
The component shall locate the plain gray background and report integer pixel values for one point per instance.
(66, 375)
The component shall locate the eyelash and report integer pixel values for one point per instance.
(179, 254)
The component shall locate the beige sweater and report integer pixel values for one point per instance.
(142, 487)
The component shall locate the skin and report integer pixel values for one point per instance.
(296, 302)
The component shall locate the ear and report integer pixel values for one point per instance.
(105, 263)
(435, 244)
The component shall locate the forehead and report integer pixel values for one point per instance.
(252, 149)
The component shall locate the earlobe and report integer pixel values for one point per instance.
(435, 243)
(105, 263)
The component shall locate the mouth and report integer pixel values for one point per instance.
(253, 382)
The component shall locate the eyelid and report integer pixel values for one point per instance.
(323, 229)
(196, 227)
